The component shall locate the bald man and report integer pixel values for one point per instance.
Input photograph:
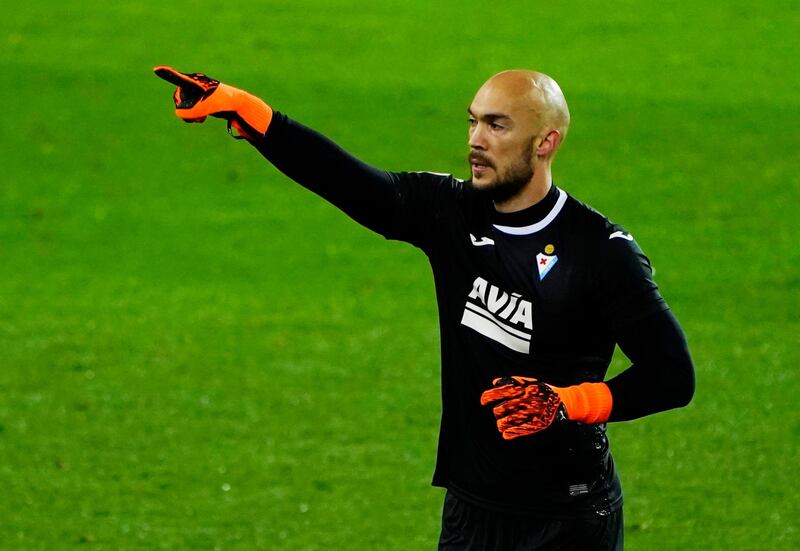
(519, 119)
(534, 291)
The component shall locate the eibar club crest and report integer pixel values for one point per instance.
(545, 263)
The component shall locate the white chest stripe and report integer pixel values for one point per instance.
(541, 224)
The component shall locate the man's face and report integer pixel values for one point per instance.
(501, 141)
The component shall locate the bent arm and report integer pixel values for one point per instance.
(662, 374)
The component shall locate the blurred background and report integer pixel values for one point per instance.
(196, 353)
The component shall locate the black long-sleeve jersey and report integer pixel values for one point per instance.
(545, 292)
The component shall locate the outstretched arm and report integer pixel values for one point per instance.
(369, 195)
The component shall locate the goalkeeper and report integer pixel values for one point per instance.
(534, 290)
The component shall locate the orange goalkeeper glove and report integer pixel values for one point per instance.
(526, 406)
(199, 96)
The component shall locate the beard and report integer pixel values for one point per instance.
(511, 180)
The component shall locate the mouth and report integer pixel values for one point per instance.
(479, 164)
(479, 170)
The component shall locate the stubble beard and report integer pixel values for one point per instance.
(512, 180)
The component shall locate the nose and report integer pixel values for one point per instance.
(477, 137)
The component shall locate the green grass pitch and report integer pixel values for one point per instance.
(196, 353)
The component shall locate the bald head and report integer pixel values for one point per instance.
(535, 96)
(517, 122)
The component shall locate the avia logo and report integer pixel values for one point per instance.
(504, 317)
(480, 242)
(621, 235)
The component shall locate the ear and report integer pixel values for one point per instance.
(549, 144)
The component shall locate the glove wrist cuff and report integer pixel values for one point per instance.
(588, 403)
(255, 112)
(251, 110)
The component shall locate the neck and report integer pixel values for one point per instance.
(533, 192)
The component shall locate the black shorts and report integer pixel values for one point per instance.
(466, 527)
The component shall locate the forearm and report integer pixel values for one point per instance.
(661, 378)
(662, 374)
(365, 193)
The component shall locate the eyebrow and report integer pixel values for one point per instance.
(490, 116)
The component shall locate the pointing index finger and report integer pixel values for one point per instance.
(182, 80)
(170, 75)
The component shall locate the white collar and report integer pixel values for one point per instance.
(541, 224)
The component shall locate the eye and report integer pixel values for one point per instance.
(495, 126)
(472, 121)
